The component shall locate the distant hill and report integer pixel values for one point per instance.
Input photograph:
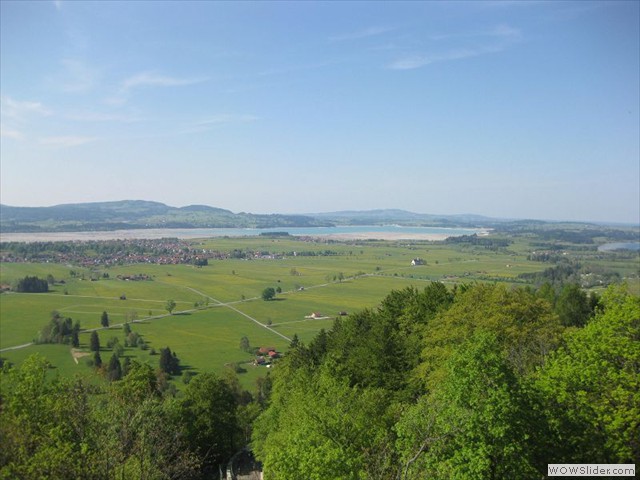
(395, 216)
(137, 214)
(140, 214)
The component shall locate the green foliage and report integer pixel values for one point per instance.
(244, 344)
(104, 319)
(525, 326)
(209, 415)
(476, 423)
(46, 426)
(319, 427)
(268, 293)
(170, 306)
(32, 285)
(60, 330)
(114, 370)
(573, 306)
(169, 362)
(94, 342)
(591, 385)
(97, 359)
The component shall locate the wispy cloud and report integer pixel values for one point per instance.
(218, 120)
(411, 62)
(10, 133)
(66, 141)
(102, 117)
(57, 4)
(148, 79)
(462, 45)
(17, 109)
(364, 33)
(502, 31)
(228, 118)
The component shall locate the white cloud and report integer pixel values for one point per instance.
(147, 79)
(102, 117)
(65, 141)
(365, 33)
(416, 61)
(20, 109)
(227, 118)
(9, 133)
(502, 31)
(481, 42)
(218, 120)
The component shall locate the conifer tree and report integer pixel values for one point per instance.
(104, 320)
(94, 343)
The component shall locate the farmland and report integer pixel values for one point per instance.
(219, 303)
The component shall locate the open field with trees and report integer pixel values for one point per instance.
(217, 304)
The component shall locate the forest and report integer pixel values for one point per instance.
(476, 381)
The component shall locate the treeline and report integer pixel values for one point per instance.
(70, 429)
(585, 235)
(31, 285)
(487, 242)
(567, 271)
(479, 382)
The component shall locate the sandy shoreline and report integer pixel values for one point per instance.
(182, 234)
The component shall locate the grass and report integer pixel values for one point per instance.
(207, 338)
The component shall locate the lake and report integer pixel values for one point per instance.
(384, 232)
(611, 247)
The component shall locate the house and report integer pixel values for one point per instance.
(273, 354)
(266, 350)
(417, 261)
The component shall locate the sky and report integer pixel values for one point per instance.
(509, 109)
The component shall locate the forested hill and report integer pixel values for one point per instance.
(141, 214)
(137, 214)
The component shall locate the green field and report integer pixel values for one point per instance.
(228, 296)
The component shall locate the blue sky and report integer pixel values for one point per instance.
(501, 108)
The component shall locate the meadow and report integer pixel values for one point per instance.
(218, 304)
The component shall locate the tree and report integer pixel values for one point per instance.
(97, 359)
(114, 370)
(170, 306)
(268, 294)
(573, 306)
(244, 344)
(94, 342)
(104, 320)
(209, 412)
(475, 423)
(32, 285)
(169, 362)
(590, 385)
(75, 335)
